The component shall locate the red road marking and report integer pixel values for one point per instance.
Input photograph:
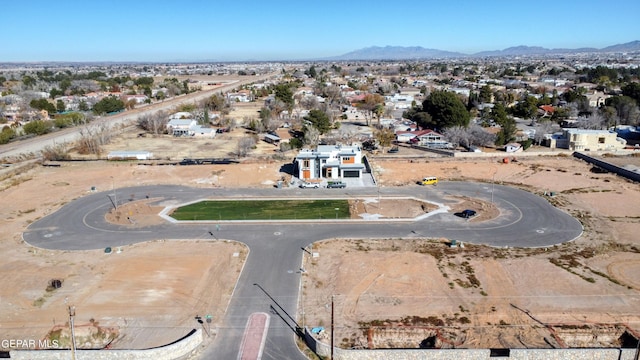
(255, 335)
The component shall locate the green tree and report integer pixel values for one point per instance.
(7, 134)
(83, 106)
(43, 104)
(626, 109)
(216, 102)
(65, 84)
(370, 104)
(284, 93)
(108, 104)
(385, 137)
(446, 110)
(60, 106)
(28, 81)
(507, 124)
(37, 127)
(55, 92)
(144, 81)
(526, 108)
(486, 95)
(632, 90)
(420, 117)
(319, 120)
(147, 91)
(311, 72)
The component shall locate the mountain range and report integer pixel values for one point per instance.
(418, 52)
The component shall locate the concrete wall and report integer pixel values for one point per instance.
(609, 167)
(323, 349)
(178, 350)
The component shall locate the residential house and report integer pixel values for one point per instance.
(181, 127)
(597, 98)
(424, 137)
(546, 110)
(138, 98)
(513, 147)
(399, 101)
(240, 96)
(203, 132)
(330, 162)
(586, 140)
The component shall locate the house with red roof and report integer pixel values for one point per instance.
(546, 110)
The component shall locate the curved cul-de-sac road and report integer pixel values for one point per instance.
(270, 281)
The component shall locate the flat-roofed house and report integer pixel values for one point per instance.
(330, 162)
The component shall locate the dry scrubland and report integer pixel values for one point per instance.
(470, 297)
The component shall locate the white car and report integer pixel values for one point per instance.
(309, 185)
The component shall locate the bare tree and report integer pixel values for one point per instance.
(92, 138)
(311, 136)
(155, 123)
(542, 129)
(309, 102)
(55, 152)
(468, 136)
(594, 122)
(245, 145)
(480, 137)
(457, 135)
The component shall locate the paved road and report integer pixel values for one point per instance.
(269, 282)
(70, 135)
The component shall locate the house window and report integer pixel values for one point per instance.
(601, 140)
(305, 163)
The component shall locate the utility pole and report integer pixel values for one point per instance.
(332, 327)
(72, 314)
(493, 181)
(115, 195)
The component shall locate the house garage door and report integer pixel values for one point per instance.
(351, 173)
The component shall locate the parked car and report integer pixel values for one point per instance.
(468, 213)
(394, 149)
(336, 185)
(429, 180)
(309, 185)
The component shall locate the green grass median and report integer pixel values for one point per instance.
(264, 210)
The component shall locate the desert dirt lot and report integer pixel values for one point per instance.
(474, 296)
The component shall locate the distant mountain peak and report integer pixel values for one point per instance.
(390, 52)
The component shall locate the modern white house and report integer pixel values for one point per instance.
(330, 162)
(586, 140)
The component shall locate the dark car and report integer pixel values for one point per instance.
(393, 150)
(468, 213)
(336, 185)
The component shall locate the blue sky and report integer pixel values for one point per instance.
(195, 30)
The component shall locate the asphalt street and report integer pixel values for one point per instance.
(270, 279)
